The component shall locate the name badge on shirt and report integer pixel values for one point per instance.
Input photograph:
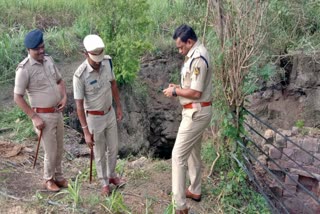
(93, 82)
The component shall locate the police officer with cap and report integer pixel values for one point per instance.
(94, 88)
(39, 77)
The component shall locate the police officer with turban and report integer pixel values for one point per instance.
(39, 77)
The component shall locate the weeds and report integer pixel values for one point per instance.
(115, 203)
(84, 176)
(73, 192)
(208, 152)
(299, 124)
(11, 53)
(121, 163)
(92, 200)
(301, 127)
(175, 77)
(62, 41)
(171, 207)
(235, 196)
(139, 174)
(161, 166)
(165, 16)
(148, 205)
(17, 120)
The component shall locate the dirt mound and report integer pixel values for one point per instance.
(15, 154)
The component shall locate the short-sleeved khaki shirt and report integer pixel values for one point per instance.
(198, 76)
(40, 82)
(94, 87)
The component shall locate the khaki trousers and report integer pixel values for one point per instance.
(52, 144)
(186, 153)
(104, 129)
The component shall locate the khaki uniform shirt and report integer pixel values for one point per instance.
(94, 87)
(199, 76)
(40, 82)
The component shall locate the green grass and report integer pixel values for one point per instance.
(166, 16)
(208, 152)
(11, 53)
(85, 173)
(62, 41)
(15, 119)
(299, 124)
(120, 167)
(115, 203)
(138, 174)
(92, 200)
(162, 166)
(72, 193)
(170, 209)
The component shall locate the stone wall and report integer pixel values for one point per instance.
(301, 167)
(292, 94)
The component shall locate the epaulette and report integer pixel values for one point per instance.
(107, 57)
(196, 55)
(48, 56)
(21, 64)
(80, 70)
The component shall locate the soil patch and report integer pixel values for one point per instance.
(148, 183)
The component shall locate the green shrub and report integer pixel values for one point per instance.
(299, 124)
(208, 152)
(293, 25)
(237, 196)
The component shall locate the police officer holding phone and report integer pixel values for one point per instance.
(194, 94)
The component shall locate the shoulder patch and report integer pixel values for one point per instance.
(80, 70)
(196, 71)
(22, 63)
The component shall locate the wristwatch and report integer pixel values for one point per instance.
(174, 93)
